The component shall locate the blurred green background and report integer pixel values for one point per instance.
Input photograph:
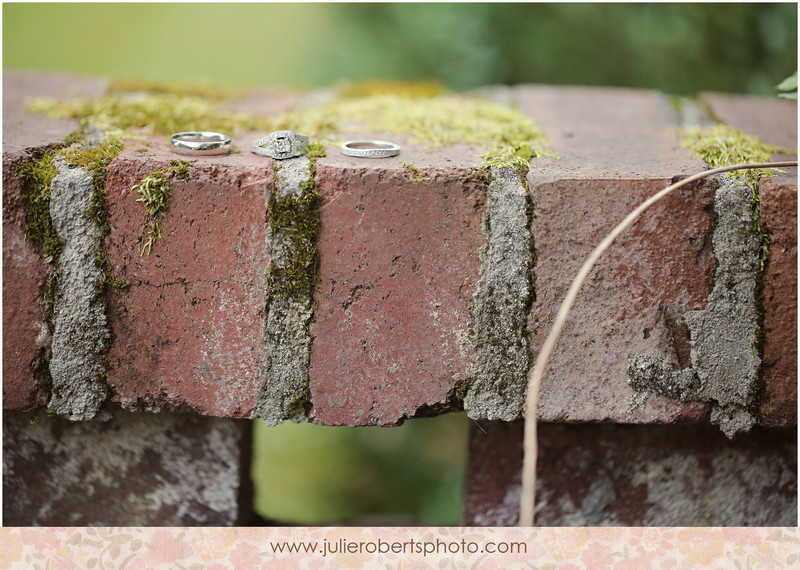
(413, 473)
(677, 48)
(368, 476)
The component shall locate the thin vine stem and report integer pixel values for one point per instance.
(528, 494)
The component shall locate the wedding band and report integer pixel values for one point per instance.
(201, 143)
(370, 149)
(280, 145)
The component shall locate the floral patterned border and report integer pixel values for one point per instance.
(250, 548)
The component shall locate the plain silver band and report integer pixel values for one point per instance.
(201, 143)
(376, 149)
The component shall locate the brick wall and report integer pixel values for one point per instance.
(436, 286)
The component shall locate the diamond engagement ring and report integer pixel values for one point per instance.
(201, 143)
(370, 149)
(280, 145)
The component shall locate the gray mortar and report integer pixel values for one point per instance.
(502, 301)
(724, 361)
(287, 353)
(80, 333)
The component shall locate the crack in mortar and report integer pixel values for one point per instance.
(81, 332)
(286, 356)
(724, 364)
(502, 301)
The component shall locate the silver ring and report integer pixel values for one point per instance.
(280, 145)
(370, 149)
(201, 143)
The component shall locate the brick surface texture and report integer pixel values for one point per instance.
(400, 257)
(614, 475)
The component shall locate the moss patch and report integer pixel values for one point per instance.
(35, 195)
(296, 218)
(371, 87)
(155, 193)
(413, 172)
(504, 133)
(421, 110)
(720, 145)
(126, 115)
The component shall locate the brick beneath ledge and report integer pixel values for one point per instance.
(400, 263)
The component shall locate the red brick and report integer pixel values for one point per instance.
(399, 266)
(779, 364)
(616, 475)
(662, 265)
(771, 119)
(24, 272)
(190, 335)
(400, 263)
(24, 131)
(26, 136)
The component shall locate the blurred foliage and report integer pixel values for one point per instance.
(788, 87)
(411, 474)
(677, 48)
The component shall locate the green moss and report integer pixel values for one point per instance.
(420, 110)
(180, 169)
(124, 116)
(413, 172)
(155, 193)
(297, 220)
(720, 145)
(300, 403)
(35, 194)
(432, 121)
(372, 87)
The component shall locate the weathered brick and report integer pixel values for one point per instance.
(189, 336)
(127, 470)
(24, 132)
(398, 268)
(616, 475)
(27, 136)
(658, 269)
(400, 255)
(771, 119)
(24, 273)
(779, 365)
